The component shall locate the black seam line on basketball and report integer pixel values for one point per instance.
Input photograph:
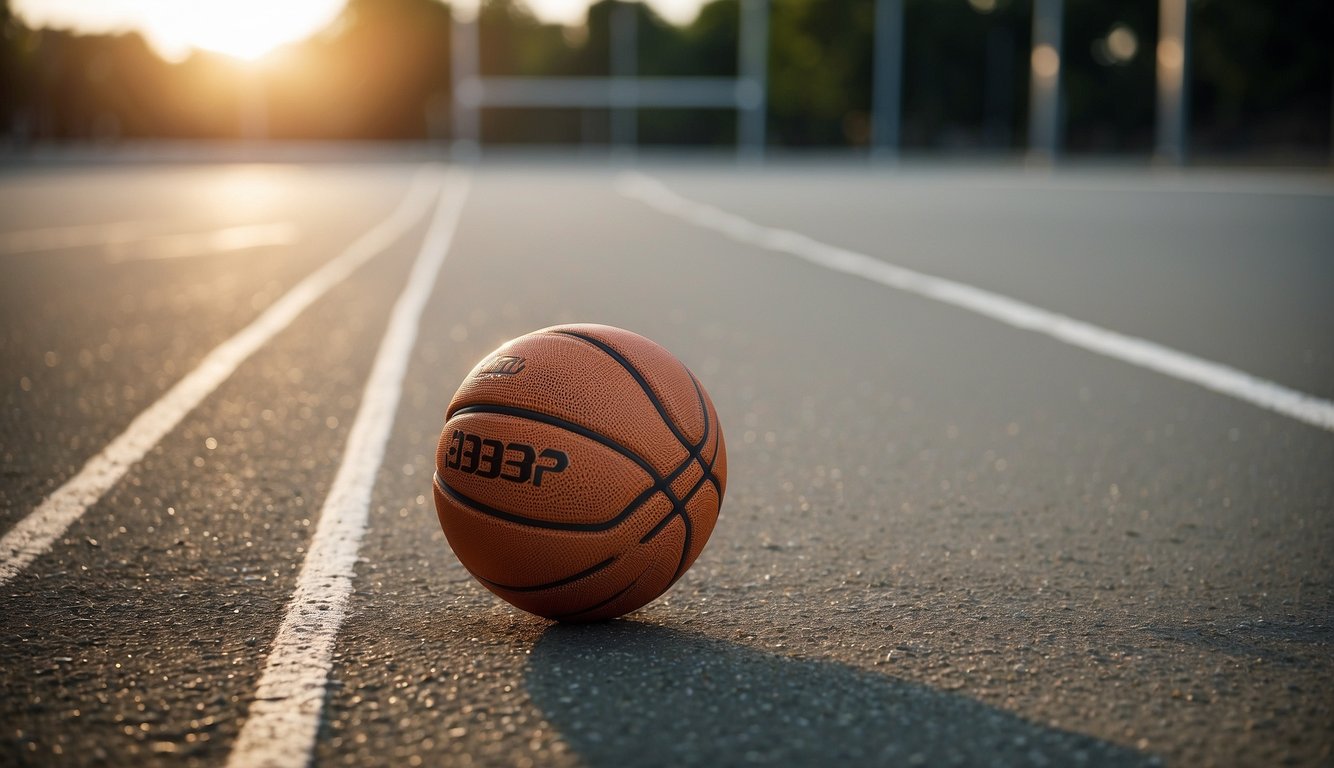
(694, 451)
(667, 518)
(531, 522)
(664, 485)
(660, 484)
(639, 379)
(709, 474)
(685, 549)
(679, 507)
(553, 584)
(708, 470)
(601, 603)
(704, 408)
(665, 488)
(570, 426)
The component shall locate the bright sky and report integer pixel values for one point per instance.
(572, 12)
(248, 29)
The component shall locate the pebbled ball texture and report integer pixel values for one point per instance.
(580, 471)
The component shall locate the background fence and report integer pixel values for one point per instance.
(1246, 78)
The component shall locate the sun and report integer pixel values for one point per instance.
(243, 29)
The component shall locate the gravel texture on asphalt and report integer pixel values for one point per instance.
(945, 541)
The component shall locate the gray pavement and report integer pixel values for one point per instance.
(945, 541)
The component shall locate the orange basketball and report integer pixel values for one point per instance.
(579, 472)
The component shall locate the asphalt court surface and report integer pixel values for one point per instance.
(944, 541)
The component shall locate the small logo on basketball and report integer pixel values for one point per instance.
(500, 367)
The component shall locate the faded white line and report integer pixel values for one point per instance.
(1136, 351)
(73, 236)
(133, 241)
(1170, 182)
(238, 238)
(1163, 184)
(35, 534)
(284, 718)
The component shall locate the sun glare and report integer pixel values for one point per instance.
(249, 29)
(244, 29)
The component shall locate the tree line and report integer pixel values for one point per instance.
(1260, 77)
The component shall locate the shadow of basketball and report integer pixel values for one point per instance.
(633, 694)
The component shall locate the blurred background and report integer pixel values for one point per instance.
(1253, 79)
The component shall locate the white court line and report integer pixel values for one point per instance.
(73, 236)
(133, 241)
(1317, 185)
(35, 534)
(1145, 354)
(1168, 185)
(213, 241)
(284, 718)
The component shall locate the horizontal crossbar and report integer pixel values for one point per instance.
(611, 92)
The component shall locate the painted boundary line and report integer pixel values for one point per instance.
(124, 241)
(28, 241)
(1163, 181)
(284, 718)
(34, 534)
(1130, 349)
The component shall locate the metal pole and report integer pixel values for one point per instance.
(753, 68)
(624, 65)
(1044, 92)
(1173, 92)
(465, 84)
(887, 81)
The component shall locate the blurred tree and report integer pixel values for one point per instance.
(10, 79)
(707, 47)
(965, 73)
(514, 42)
(819, 72)
(19, 90)
(67, 86)
(382, 71)
(1261, 75)
(1110, 75)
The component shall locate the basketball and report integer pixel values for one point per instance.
(580, 471)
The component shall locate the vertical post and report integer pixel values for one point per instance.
(753, 84)
(465, 84)
(1044, 92)
(887, 80)
(1173, 94)
(624, 65)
